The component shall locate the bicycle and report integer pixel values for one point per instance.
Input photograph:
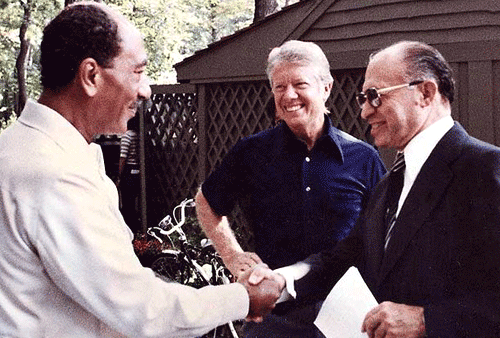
(189, 264)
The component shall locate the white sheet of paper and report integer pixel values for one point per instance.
(346, 306)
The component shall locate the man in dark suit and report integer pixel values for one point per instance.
(433, 260)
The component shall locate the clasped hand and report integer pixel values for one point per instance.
(264, 288)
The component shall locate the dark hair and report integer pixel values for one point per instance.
(423, 62)
(78, 32)
(133, 123)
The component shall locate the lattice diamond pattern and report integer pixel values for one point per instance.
(344, 110)
(171, 151)
(234, 110)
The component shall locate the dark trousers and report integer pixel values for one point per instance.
(286, 322)
(129, 195)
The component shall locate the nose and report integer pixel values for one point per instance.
(290, 92)
(145, 89)
(366, 110)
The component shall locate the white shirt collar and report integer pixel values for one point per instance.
(61, 131)
(420, 147)
(52, 123)
(418, 150)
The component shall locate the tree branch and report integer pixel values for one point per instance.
(21, 58)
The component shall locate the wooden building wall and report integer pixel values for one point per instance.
(190, 127)
(467, 32)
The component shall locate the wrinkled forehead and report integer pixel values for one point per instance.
(385, 68)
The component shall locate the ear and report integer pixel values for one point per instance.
(428, 91)
(328, 90)
(89, 76)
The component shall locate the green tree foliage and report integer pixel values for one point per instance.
(172, 29)
(11, 17)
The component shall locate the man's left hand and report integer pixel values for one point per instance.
(394, 320)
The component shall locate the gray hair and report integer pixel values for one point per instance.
(303, 54)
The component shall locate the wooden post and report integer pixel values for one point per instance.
(202, 131)
(142, 168)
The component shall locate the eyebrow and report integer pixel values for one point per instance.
(144, 63)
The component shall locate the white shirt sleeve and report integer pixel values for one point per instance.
(69, 268)
(292, 273)
(86, 250)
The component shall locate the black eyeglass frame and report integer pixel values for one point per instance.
(372, 95)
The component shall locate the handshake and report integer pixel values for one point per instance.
(264, 288)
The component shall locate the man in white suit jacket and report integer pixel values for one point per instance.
(67, 265)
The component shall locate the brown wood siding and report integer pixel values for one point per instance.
(349, 25)
(467, 32)
(241, 57)
(477, 104)
(496, 101)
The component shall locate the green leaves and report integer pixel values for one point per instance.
(11, 19)
(173, 30)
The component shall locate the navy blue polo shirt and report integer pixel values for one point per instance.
(297, 202)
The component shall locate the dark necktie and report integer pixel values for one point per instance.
(395, 185)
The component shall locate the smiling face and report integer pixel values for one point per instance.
(124, 84)
(399, 118)
(299, 97)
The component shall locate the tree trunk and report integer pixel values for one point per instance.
(21, 58)
(69, 2)
(264, 8)
(213, 31)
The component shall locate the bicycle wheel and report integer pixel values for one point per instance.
(168, 267)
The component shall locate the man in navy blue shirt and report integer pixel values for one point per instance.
(300, 185)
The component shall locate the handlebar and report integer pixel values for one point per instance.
(165, 223)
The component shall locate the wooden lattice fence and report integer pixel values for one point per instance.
(234, 111)
(189, 129)
(171, 149)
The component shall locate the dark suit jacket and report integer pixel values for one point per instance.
(444, 253)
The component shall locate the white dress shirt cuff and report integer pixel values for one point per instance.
(292, 273)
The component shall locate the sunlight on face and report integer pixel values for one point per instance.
(125, 82)
(299, 95)
(398, 118)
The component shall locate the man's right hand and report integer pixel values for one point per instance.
(263, 296)
(240, 262)
(217, 228)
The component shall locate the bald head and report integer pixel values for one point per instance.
(421, 61)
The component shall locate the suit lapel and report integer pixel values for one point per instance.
(374, 231)
(426, 192)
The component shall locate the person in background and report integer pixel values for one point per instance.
(301, 185)
(428, 242)
(67, 265)
(129, 175)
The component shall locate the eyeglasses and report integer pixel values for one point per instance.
(372, 95)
